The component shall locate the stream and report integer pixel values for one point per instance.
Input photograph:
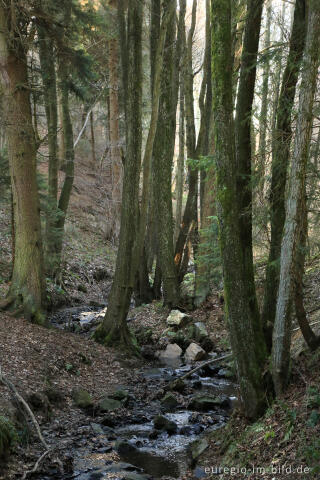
(158, 439)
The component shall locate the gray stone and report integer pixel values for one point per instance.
(178, 319)
(194, 353)
(172, 353)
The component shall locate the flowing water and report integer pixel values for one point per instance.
(144, 451)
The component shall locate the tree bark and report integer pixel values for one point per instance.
(27, 289)
(68, 153)
(162, 168)
(243, 124)
(190, 217)
(207, 189)
(116, 162)
(48, 74)
(240, 318)
(180, 161)
(114, 329)
(280, 158)
(140, 254)
(263, 127)
(283, 327)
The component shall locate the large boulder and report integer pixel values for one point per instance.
(178, 319)
(194, 353)
(171, 354)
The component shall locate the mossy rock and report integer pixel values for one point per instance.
(82, 398)
(197, 448)
(169, 401)
(163, 423)
(8, 436)
(108, 404)
(144, 336)
(121, 395)
(205, 403)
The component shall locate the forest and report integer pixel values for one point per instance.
(159, 239)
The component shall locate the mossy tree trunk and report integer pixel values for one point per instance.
(295, 201)
(243, 123)
(114, 330)
(207, 190)
(144, 292)
(116, 162)
(263, 120)
(240, 316)
(27, 289)
(181, 155)
(190, 215)
(48, 74)
(162, 167)
(281, 142)
(68, 152)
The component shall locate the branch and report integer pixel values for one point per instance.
(210, 362)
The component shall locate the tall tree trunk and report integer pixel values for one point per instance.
(116, 162)
(263, 128)
(280, 158)
(162, 168)
(68, 154)
(114, 330)
(27, 289)
(48, 74)
(282, 326)
(202, 287)
(240, 319)
(180, 161)
(243, 124)
(190, 216)
(140, 254)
